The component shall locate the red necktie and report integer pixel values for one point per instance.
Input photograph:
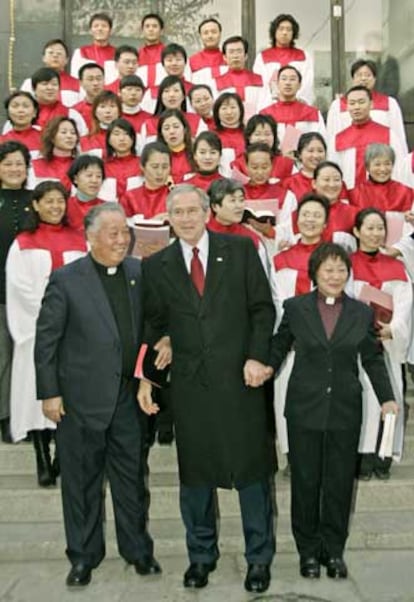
(197, 272)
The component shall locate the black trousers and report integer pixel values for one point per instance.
(323, 466)
(86, 456)
(199, 513)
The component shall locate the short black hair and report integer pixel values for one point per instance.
(56, 41)
(199, 87)
(324, 164)
(83, 162)
(13, 146)
(101, 17)
(32, 222)
(327, 250)
(258, 147)
(235, 40)
(364, 63)
(358, 88)
(361, 215)
(292, 68)
(173, 48)
(211, 138)
(151, 148)
(275, 24)
(127, 127)
(221, 188)
(123, 49)
(313, 197)
(90, 65)
(27, 95)
(262, 120)
(307, 138)
(44, 74)
(153, 16)
(131, 80)
(225, 97)
(209, 20)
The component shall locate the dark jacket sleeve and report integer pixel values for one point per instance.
(282, 341)
(50, 328)
(155, 309)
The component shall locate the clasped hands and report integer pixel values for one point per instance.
(255, 373)
(163, 359)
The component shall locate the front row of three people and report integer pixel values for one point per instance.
(209, 293)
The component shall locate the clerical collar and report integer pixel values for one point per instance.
(330, 300)
(105, 270)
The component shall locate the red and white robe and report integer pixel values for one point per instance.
(145, 201)
(300, 115)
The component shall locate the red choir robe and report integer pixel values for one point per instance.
(203, 181)
(137, 119)
(387, 196)
(55, 169)
(282, 167)
(93, 53)
(300, 184)
(265, 191)
(30, 137)
(145, 201)
(94, 144)
(180, 166)
(248, 85)
(117, 172)
(206, 65)
(296, 259)
(84, 108)
(300, 115)
(76, 211)
(238, 229)
(150, 68)
(269, 61)
(48, 112)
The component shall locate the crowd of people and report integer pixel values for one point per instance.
(318, 223)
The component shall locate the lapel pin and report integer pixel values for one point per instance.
(219, 259)
(132, 282)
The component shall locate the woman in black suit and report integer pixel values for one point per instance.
(328, 331)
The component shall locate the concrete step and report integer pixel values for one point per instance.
(21, 500)
(46, 541)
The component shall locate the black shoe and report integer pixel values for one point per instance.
(45, 474)
(257, 578)
(364, 476)
(5, 430)
(148, 566)
(381, 474)
(197, 574)
(79, 575)
(310, 567)
(336, 568)
(165, 436)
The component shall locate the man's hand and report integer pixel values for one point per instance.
(255, 373)
(164, 357)
(53, 409)
(144, 398)
(389, 407)
(384, 331)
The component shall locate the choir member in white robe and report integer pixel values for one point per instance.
(209, 62)
(370, 266)
(339, 229)
(100, 51)
(283, 32)
(46, 245)
(22, 108)
(287, 109)
(247, 84)
(385, 109)
(290, 278)
(347, 147)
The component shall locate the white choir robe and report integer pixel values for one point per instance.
(27, 273)
(267, 65)
(405, 170)
(247, 85)
(385, 111)
(395, 354)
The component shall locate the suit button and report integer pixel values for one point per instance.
(329, 370)
(329, 389)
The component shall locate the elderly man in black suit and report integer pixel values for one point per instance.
(88, 332)
(209, 292)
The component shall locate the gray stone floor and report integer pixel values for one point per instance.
(375, 576)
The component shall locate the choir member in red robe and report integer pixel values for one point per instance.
(46, 87)
(209, 62)
(380, 190)
(239, 79)
(149, 199)
(202, 101)
(171, 95)
(385, 109)
(105, 108)
(91, 77)
(347, 148)
(21, 109)
(45, 244)
(310, 152)
(206, 158)
(289, 110)
(283, 32)
(174, 131)
(100, 51)
(59, 148)
(290, 278)
(263, 128)
(126, 63)
(55, 56)
(371, 267)
(121, 164)
(87, 174)
(228, 114)
(131, 91)
(150, 68)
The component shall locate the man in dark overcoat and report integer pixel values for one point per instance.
(209, 293)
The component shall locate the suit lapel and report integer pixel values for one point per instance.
(216, 266)
(313, 318)
(344, 321)
(175, 272)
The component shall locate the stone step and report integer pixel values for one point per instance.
(21, 500)
(45, 541)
